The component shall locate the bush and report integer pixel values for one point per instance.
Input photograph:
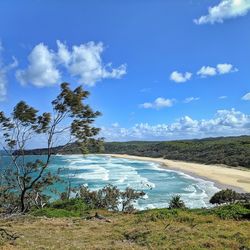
(128, 198)
(111, 198)
(74, 207)
(176, 202)
(74, 204)
(233, 211)
(224, 196)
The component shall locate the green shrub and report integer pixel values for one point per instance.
(162, 214)
(224, 196)
(74, 207)
(74, 204)
(111, 198)
(234, 211)
(176, 202)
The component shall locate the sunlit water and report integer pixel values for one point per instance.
(158, 183)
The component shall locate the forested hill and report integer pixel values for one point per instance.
(232, 151)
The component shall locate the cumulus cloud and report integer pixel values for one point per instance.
(158, 103)
(226, 9)
(219, 69)
(83, 62)
(204, 71)
(4, 69)
(224, 123)
(207, 71)
(180, 77)
(246, 97)
(42, 70)
(146, 105)
(191, 99)
(226, 68)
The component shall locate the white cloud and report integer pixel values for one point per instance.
(222, 97)
(4, 69)
(42, 70)
(159, 103)
(180, 77)
(224, 123)
(191, 99)
(226, 68)
(83, 62)
(221, 69)
(3, 83)
(246, 97)
(146, 105)
(115, 125)
(226, 9)
(207, 71)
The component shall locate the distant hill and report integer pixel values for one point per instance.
(231, 151)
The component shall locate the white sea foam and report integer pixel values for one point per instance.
(158, 183)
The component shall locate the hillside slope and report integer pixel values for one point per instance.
(231, 151)
(155, 229)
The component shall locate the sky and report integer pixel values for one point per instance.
(156, 69)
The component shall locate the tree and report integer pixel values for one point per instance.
(176, 202)
(128, 198)
(224, 196)
(70, 117)
(111, 198)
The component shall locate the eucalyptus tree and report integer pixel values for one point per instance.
(22, 182)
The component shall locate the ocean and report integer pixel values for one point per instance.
(158, 183)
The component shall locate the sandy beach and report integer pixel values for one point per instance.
(223, 176)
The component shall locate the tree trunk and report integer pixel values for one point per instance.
(22, 200)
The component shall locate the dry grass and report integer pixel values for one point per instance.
(158, 229)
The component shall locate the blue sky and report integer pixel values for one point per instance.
(157, 70)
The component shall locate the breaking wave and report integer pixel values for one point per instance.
(158, 183)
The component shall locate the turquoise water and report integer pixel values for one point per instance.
(159, 184)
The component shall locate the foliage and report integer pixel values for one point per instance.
(234, 211)
(176, 202)
(128, 198)
(224, 196)
(231, 151)
(24, 180)
(73, 204)
(74, 207)
(111, 198)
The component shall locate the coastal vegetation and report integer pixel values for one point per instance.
(71, 224)
(228, 196)
(22, 183)
(111, 198)
(230, 151)
(176, 202)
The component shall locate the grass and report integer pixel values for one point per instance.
(59, 209)
(153, 229)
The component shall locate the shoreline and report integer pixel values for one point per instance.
(223, 177)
